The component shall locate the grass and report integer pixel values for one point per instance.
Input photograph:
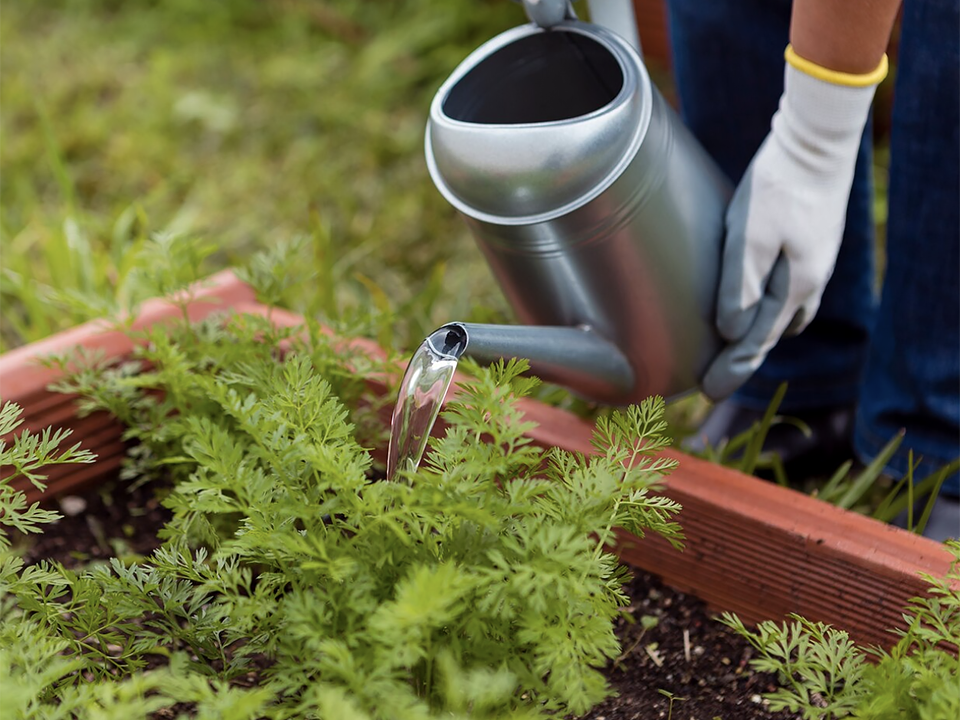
(249, 123)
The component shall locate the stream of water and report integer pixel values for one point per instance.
(422, 390)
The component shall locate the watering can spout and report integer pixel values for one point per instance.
(576, 357)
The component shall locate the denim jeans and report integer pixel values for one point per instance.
(898, 360)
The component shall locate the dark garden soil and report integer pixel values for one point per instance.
(117, 519)
(687, 656)
(683, 666)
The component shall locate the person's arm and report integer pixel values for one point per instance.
(786, 219)
(849, 36)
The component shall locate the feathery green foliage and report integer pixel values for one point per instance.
(825, 675)
(26, 455)
(479, 586)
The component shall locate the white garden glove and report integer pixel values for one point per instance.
(786, 219)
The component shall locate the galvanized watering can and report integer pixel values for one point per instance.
(598, 212)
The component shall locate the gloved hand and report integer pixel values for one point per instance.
(786, 219)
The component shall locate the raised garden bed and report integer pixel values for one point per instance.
(752, 548)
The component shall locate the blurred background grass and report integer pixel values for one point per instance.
(246, 123)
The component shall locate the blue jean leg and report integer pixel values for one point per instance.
(728, 64)
(912, 378)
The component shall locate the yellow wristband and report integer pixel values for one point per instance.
(834, 76)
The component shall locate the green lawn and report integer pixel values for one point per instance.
(245, 123)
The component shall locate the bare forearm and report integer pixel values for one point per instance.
(846, 35)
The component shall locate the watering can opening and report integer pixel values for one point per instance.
(537, 122)
(541, 78)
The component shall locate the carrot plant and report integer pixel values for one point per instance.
(823, 674)
(479, 586)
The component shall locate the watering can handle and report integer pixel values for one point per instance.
(615, 15)
(547, 13)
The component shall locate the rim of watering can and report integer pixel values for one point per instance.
(635, 78)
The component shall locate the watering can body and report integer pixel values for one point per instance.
(599, 214)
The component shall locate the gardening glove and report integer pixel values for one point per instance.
(786, 219)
